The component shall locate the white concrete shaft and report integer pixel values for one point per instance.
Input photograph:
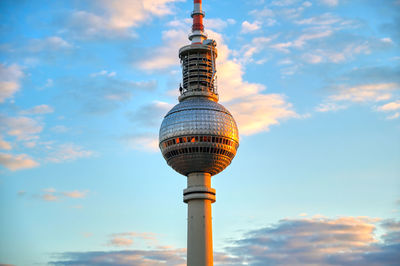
(199, 241)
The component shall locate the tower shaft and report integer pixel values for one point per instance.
(199, 196)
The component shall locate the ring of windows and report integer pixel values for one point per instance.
(194, 139)
(211, 150)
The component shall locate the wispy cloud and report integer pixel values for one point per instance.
(116, 18)
(142, 141)
(10, 78)
(365, 92)
(17, 162)
(392, 106)
(127, 239)
(344, 96)
(4, 145)
(250, 27)
(165, 56)
(52, 195)
(68, 152)
(38, 110)
(161, 256)
(52, 43)
(21, 127)
(104, 93)
(103, 73)
(330, 3)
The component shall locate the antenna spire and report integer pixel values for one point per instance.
(197, 36)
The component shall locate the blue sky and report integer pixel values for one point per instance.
(313, 85)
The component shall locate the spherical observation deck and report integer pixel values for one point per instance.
(198, 135)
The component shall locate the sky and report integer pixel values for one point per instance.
(313, 85)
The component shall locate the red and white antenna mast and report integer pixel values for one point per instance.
(197, 36)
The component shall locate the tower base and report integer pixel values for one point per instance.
(199, 196)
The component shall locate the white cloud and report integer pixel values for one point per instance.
(250, 27)
(4, 145)
(51, 194)
(142, 142)
(103, 73)
(127, 239)
(117, 17)
(326, 107)
(17, 162)
(365, 93)
(39, 109)
(235, 92)
(166, 55)
(301, 41)
(76, 194)
(394, 116)
(68, 152)
(52, 43)
(283, 2)
(217, 23)
(49, 197)
(24, 128)
(258, 112)
(392, 106)
(9, 80)
(59, 129)
(330, 3)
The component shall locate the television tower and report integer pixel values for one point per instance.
(199, 137)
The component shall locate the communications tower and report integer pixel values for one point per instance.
(199, 137)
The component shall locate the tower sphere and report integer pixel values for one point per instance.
(198, 135)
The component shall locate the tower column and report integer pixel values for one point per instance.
(199, 195)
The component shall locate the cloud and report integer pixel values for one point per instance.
(318, 241)
(262, 110)
(306, 241)
(127, 239)
(166, 55)
(326, 107)
(4, 145)
(394, 116)
(283, 2)
(17, 162)
(10, 77)
(116, 17)
(330, 3)
(67, 153)
(142, 141)
(250, 27)
(217, 23)
(365, 92)
(76, 194)
(52, 195)
(162, 256)
(103, 73)
(53, 43)
(23, 128)
(49, 197)
(392, 106)
(257, 113)
(38, 110)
